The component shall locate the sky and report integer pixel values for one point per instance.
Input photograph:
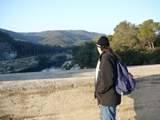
(92, 15)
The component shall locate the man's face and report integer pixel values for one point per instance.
(99, 50)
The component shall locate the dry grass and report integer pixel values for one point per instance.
(73, 99)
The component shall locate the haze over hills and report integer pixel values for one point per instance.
(56, 37)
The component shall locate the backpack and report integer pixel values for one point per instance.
(125, 82)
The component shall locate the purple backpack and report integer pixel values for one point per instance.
(125, 83)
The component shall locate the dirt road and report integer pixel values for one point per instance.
(70, 97)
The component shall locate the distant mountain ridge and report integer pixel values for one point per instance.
(56, 37)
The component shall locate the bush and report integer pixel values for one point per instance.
(154, 56)
(132, 56)
(85, 55)
(140, 56)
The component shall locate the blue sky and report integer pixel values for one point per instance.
(91, 15)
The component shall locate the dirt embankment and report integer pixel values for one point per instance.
(69, 96)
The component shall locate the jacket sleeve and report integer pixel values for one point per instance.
(106, 75)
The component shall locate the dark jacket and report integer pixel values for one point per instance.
(105, 87)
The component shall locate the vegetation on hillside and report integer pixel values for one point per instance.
(44, 56)
(25, 49)
(135, 44)
(63, 38)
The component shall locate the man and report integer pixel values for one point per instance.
(106, 75)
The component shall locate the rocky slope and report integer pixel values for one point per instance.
(18, 65)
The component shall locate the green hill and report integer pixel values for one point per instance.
(62, 38)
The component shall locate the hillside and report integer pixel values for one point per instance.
(59, 37)
(18, 56)
(24, 48)
(7, 50)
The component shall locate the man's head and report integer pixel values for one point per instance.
(102, 44)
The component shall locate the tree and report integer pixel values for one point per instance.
(4, 37)
(125, 36)
(110, 37)
(147, 33)
(157, 42)
(85, 55)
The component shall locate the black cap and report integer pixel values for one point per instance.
(103, 42)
